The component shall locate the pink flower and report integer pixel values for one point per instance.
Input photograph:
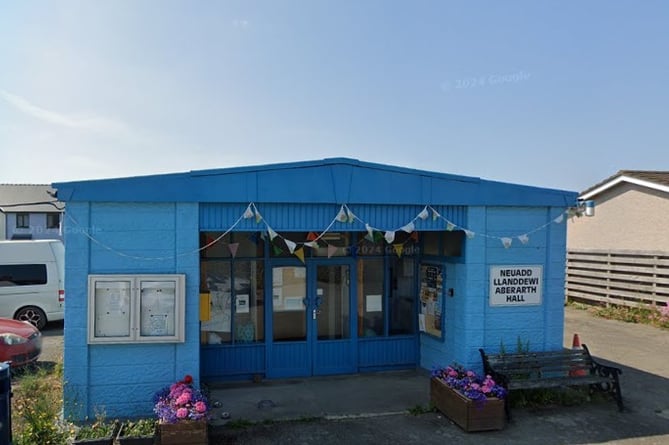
(470, 374)
(184, 398)
(200, 407)
(182, 413)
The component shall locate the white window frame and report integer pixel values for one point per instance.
(128, 309)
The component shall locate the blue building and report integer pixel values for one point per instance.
(311, 268)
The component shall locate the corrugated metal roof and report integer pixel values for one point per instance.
(329, 181)
(27, 198)
(655, 179)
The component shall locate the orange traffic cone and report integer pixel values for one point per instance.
(576, 345)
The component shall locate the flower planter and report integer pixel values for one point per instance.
(104, 440)
(468, 414)
(122, 439)
(184, 432)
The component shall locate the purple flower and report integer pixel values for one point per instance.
(180, 401)
(468, 383)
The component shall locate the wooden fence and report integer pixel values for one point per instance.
(618, 277)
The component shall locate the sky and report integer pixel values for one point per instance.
(555, 94)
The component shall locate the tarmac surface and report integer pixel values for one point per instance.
(376, 408)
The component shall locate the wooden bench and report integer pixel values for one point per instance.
(569, 367)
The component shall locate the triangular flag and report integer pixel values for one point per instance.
(311, 236)
(351, 216)
(272, 233)
(370, 237)
(450, 226)
(424, 214)
(331, 250)
(312, 244)
(378, 236)
(277, 250)
(414, 236)
(409, 227)
(559, 219)
(258, 217)
(469, 234)
(398, 249)
(342, 216)
(300, 254)
(390, 236)
(506, 242)
(248, 213)
(232, 247)
(435, 215)
(370, 232)
(291, 245)
(524, 239)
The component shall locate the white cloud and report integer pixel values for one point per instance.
(81, 122)
(240, 23)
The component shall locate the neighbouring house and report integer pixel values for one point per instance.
(621, 255)
(28, 211)
(325, 267)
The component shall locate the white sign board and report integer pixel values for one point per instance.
(515, 285)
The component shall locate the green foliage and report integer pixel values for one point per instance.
(100, 428)
(536, 398)
(239, 424)
(654, 316)
(521, 347)
(140, 427)
(419, 409)
(37, 403)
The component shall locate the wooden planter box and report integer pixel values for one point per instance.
(469, 415)
(186, 432)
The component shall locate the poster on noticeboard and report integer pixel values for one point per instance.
(431, 299)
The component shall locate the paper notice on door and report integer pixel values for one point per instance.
(421, 322)
(373, 303)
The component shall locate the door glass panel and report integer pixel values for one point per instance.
(289, 289)
(371, 306)
(402, 304)
(332, 301)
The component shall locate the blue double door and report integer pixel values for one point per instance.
(313, 319)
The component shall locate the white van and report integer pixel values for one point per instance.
(32, 280)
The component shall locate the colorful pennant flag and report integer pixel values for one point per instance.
(300, 254)
(469, 234)
(277, 250)
(424, 214)
(351, 216)
(408, 228)
(331, 250)
(524, 239)
(272, 233)
(435, 215)
(506, 242)
(450, 226)
(342, 216)
(232, 247)
(291, 245)
(559, 219)
(248, 213)
(399, 248)
(390, 236)
(258, 216)
(312, 244)
(311, 236)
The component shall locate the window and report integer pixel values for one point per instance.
(22, 274)
(431, 299)
(52, 220)
(22, 220)
(232, 288)
(448, 243)
(136, 308)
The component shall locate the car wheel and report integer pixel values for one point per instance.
(32, 315)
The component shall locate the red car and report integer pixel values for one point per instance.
(20, 342)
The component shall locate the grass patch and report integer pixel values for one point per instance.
(417, 410)
(658, 316)
(541, 398)
(36, 407)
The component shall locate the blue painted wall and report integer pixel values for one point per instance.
(129, 238)
(470, 321)
(151, 225)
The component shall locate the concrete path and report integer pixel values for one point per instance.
(373, 409)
